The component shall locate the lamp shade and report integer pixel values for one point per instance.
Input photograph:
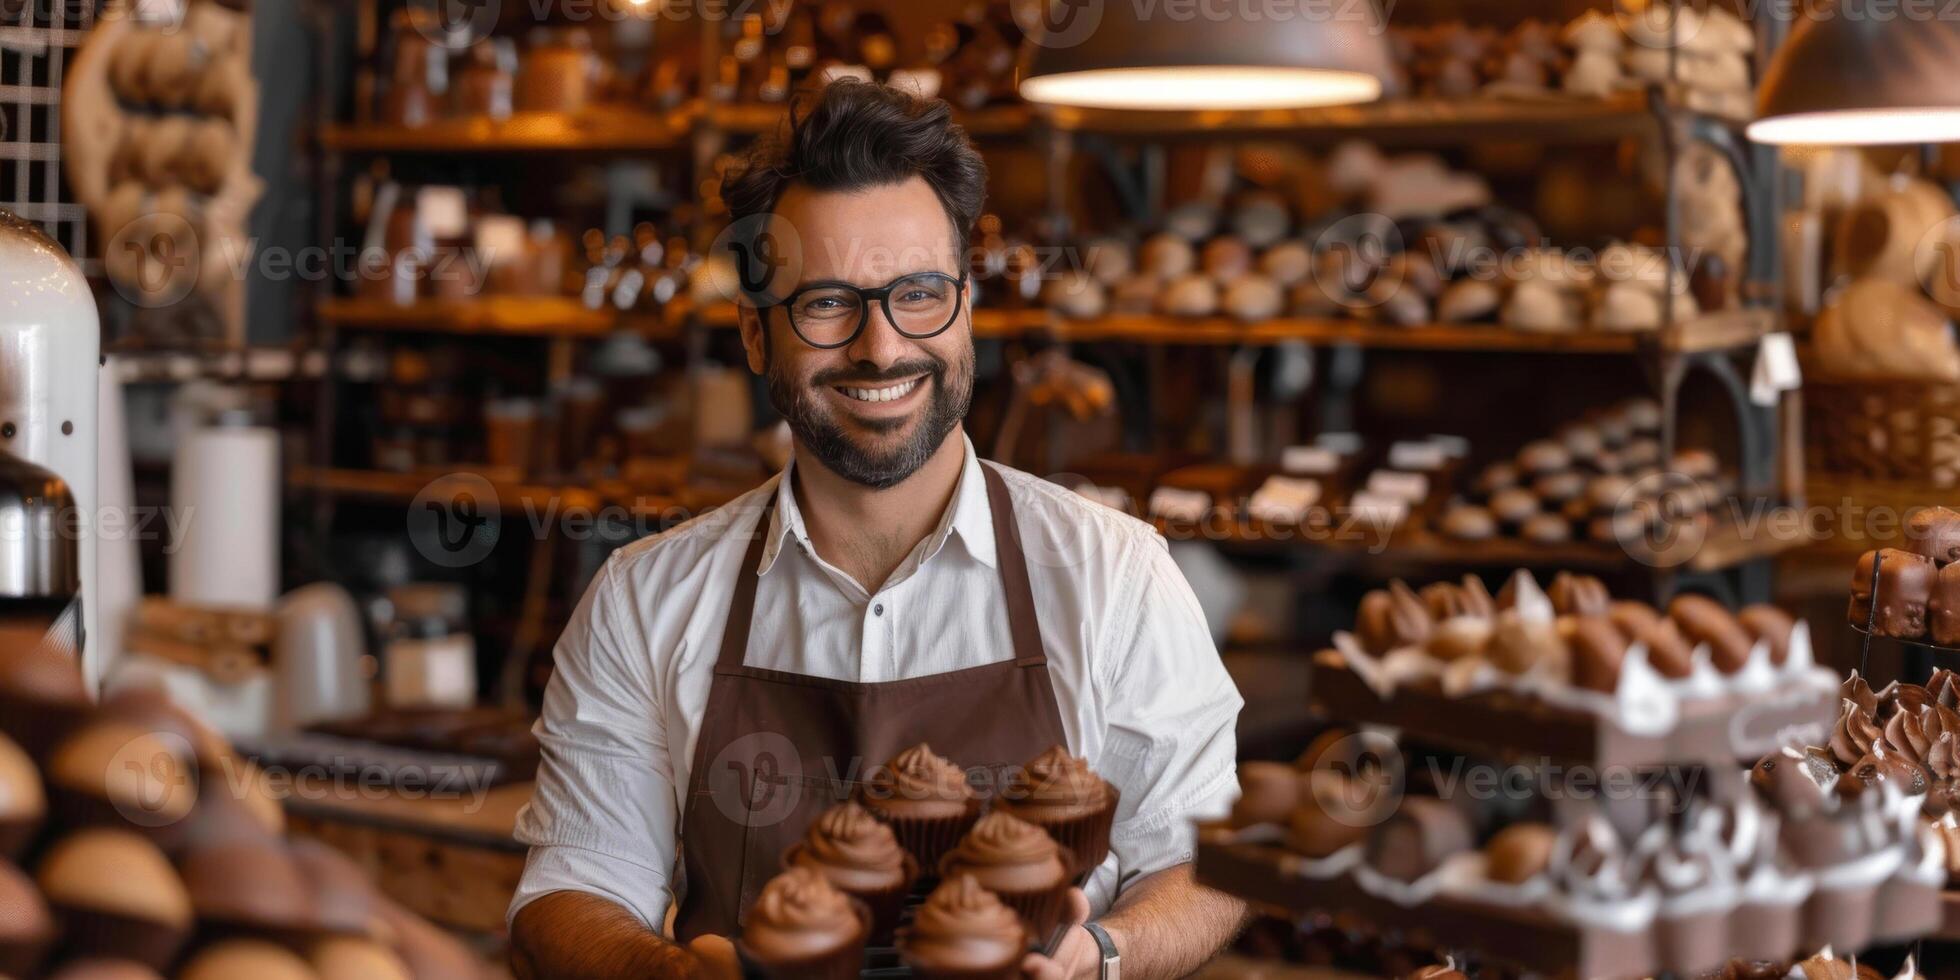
(1850, 77)
(1129, 54)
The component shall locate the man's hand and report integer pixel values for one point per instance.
(717, 958)
(1077, 957)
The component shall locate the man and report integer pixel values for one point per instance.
(899, 591)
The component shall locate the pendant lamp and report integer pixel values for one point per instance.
(1851, 74)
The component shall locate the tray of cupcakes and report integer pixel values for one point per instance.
(1766, 868)
(1569, 673)
(137, 842)
(923, 872)
(1912, 593)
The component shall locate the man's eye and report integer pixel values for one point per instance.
(915, 296)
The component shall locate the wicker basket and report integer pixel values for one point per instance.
(1884, 429)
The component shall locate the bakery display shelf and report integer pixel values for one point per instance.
(1717, 331)
(1554, 117)
(1268, 877)
(755, 118)
(1507, 725)
(605, 129)
(515, 494)
(988, 323)
(515, 316)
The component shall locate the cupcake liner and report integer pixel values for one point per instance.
(885, 906)
(112, 936)
(1040, 910)
(1690, 944)
(1086, 836)
(929, 840)
(1907, 908)
(846, 962)
(1766, 930)
(1840, 918)
(1010, 971)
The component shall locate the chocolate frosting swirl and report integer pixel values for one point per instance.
(1900, 696)
(1056, 779)
(918, 774)
(1944, 686)
(1854, 735)
(1906, 734)
(1944, 759)
(1938, 719)
(800, 914)
(1880, 766)
(1855, 690)
(1008, 854)
(963, 925)
(854, 849)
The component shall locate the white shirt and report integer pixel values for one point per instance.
(1143, 694)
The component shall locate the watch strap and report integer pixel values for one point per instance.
(1112, 961)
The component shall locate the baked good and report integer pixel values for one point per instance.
(1546, 529)
(801, 926)
(963, 932)
(1391, 618)
(1934, 533)
(1519, 644)
(1557, 488)
(1446, 600)
(1598, 648)
(114, 772)
(239, 959)
(1461, 636)
(349, 958)
(1495, 477)
(1795, 781)
(1896, 604)
(926, 799)
(1519, 852)
(861, 856)
(1469, 522)
(1771, 625)
(1667, 650)
(1326, 820)
(117, 896)
(23, 804)
(41, 691)
(1943, 606)
(1578, 595)
(1422, 834)
(98, 969)
(250, 883)
(1703, 620)
(1544, 456)
(27, 930)
(1514, 505)
(1268, 794)
(1015, 860)
(1633, 618)
(1225, 258)
(343, 899)
(1059, 793)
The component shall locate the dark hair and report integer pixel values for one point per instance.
(853, 135)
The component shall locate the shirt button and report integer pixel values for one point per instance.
(878, 610)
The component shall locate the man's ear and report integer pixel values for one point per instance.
(755, 336)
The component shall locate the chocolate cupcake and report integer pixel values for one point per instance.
(343, 897)
(238, 959)
(116, 896)
(26, 927)
(926, 800)
(1020, 863)
(42, 695)
(344, 958)
(1060, 794)
(861, 857)
(249, 887)
(802, 927)
(97, 969)
(963, 932)
(116, 774)
(23, 804)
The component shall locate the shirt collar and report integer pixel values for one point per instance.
(970, 517)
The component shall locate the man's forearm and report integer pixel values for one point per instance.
(1168, 925)
(576, 936)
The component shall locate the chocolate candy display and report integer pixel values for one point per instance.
(1913, 596)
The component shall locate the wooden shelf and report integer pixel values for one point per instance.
(1554, 118)
(516, 316)
(987, 323)
(514, 495)
(604, 129)
(757, 118)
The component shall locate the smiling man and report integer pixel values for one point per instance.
(722, 683)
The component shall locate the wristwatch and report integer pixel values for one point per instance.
(1112, 961)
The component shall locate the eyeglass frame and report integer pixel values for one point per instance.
(882, 294)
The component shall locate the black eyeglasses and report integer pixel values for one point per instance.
(828, 315)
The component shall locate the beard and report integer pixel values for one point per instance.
(823, 434)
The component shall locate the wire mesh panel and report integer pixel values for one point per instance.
(38, 39)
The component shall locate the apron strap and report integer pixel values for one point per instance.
(1012, 561)
(741, 606)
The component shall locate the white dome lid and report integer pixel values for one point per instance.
(39, 283)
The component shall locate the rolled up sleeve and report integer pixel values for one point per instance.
(603, 820)
(1171, 710)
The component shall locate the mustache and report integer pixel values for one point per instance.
(865, 374)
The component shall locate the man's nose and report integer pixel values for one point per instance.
(879, 343)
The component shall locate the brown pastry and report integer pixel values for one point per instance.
(1446, 600)
(1771, 625)
(1598, 649)
(861, 857)
(1324, 823)
(23, 804)
(1633, 618)
(1703, 620)
(92, 780)
(1943, 608)
(1900, 696)
(27, 930)
(1902, 593)
(1579, 595)
(1519, 583)
(1543, 456)
(1905, 733)
(1422, 834)
(1554, 489)
(1017, 861)
(1546, 529)
(926, 799)
(41, 692)
(1468, 522)
(355, 958)
(1667, 650)
(102, 969)
(1461, 636)
(1520, 852)
(1514, 506)
(802, 926)
(1335, 749)
(962, 932)
(116, 896)
(1495, 477)
(1059, 793)
(1518, 644)
(1269, 792)
(1439, 972)
(1934, 533)
(1392, 618)
(255, 958)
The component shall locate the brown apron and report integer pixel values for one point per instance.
(778, 748)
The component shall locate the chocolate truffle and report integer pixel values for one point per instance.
(1935, 534)
(1422, 834)
(1943, 608)
(1703, 620)
(1015, 860)
(1326, 821)
(1390, 619)
(26, 928)
(1520, 852)
(240, 959)
(926, 799)
(1903, 592)
(116, 896)
(1771, 625)
(1268, 793)
(1059, 793)
(802, 926)
(1598, 649)
(23, 804)
(1579, 595)
(1468, 522)
(963, 931)
(347, 958)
